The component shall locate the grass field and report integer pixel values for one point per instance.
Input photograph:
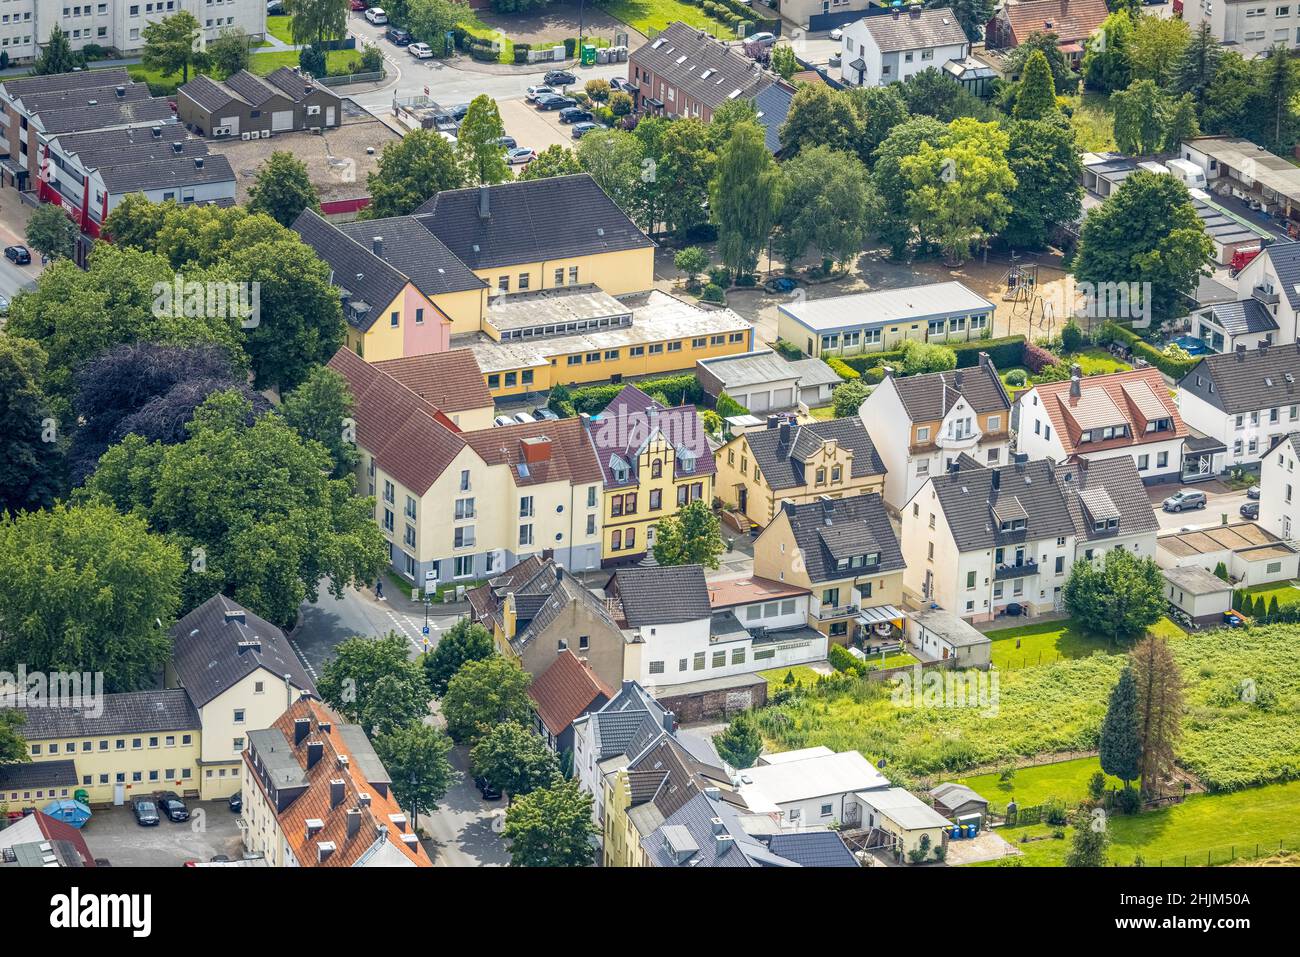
(1029, 787)
(1044, 642)
(279, 27)
(1093, 123)
(268, 61)
(1286, 593)
(776, 676)
(647, 15)
(1096, 362)
(1205, 829)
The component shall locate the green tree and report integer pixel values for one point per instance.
(1036, 97)
(1106, 64)
(462, 642)
(483, 694)
(251, 505)
(684, 163)
(171, 45)
(614, 160)
(374, 683)
(1233, 102)
(13, 747)
(478, 143)
(416, 759)
(283, 189)
(431, 20)
(691, 537)
(514, 759)
(740, 743)
(410, 171)
(1279, 85)
(30, 458)
(692, 261)
(551, 827)
(971, 14)
(51, 232)
(1146, 232)
(1119, 747)
(620, 103)
(1221, 572)
(879, 109)
(83, 589)
(598, 90)
(1182, 123)
(1141, 117)
(1064, 79)
(920, 357)
(959, 187)
(784, 62)
(1091, 839)
(744, 198)
(1159, 710)
(1198, 64)
(56, 56)
(847, 397)
(827, 202)
(315, 21)
(321, 408)
(1156, 48)
(555, 160)
(933, 92)
(819, 116)
(894, 224)
(1119, 600)
(1045, 162)
(229, 52)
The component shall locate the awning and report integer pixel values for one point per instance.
(1203, 444)
(879, 615)
(859, 64)
(1070, 48)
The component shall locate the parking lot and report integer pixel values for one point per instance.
(112, 833)
(532, 127)
(1220, 501)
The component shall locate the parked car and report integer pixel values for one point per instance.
(275, 7)
(541, 99)
(545, 415)
(398, 36)
(458, 112)
(556, 103)
(146, 812)
(218, 859)
(1182, 501)
(1252, 492)
(559, 78)
(421, 51)
(837, 34)
(763, 39)
(535, 91)
(582, 129)
(503, 420)
(487, 790)
(616, 83)
(4, 306)
(19, 255)
(357, 5)
(574, 114)
(1249, 510)
(507, 141)
(523, 418)
(377, 16)
(520, 154)
(237, 802)
(170, 804)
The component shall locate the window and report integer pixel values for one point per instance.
(719, 659)
(526, 506)
(970, 580)
(419, 315)
(697, 661)
(1144, 462)
(394, 319)
(995, 423)
(616, 540)
(523, 281)
(656, 499)
(464, 480)
(656, 667)
(525, 534)
(239, 716)
(573, 275)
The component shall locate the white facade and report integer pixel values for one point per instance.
(1247, 435)
(1258, 281)
(1279, 492)
(1252, 26)
(880, 68)
(812, 788)
(118, 24)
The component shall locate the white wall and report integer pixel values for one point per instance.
(1279, 493)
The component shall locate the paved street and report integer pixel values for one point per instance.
(13, 227)
(1221, 501)
(465, 830)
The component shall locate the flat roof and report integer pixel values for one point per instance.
(903, 808)
(949, 627)
(751, 368)
(890, 305)
(545, 307)
(812, 777)
(656, 317)
(1267, 169)
(1216, 538)
(748, 590)
(1195, 580)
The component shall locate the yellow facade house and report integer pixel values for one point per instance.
(654, 460)
(762, 469)
(114, 747)
(845, 552)
(241, 674)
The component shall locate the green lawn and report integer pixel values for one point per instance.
(647, 15)
(1043, 642)
(1030, 787)
(1093, 123)
(1287, 593)
(823, 412)
(280, 28)
(339, 63)
(1096, 361)
(776, 676)
(1203, 829)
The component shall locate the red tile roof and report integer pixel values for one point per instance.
(559, 452)
(567, 690)
(1070, 20)
(56, 830)
(1126, 392)
(450, 380)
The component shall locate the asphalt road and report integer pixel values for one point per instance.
(1218, 503)
(465, 830)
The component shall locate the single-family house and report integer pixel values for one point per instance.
(561, 694)
(915, 827)
(1073, 22)
(1279, 500)
(891, 49)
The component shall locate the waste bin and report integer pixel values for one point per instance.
(588, 54)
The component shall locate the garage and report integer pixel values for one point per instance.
(282, 121)
(758, 402)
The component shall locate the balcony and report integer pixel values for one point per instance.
(1023, 569)
(961, 441)
(825, 613)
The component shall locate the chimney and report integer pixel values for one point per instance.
(354, 822)
(1076, 382)
(178, 147)
(669, 722)
(773, 421)
(896, 13)
(713, 794)
(889, 370)
(314, 826)
(724, 843)
(301, 728)
(1241, 351)
(585, 418)
(914, 11)
(249, 644)
(535, 451)
(198, 162)
(324, 850)
(997, 479)
(237, 614)
(336, 792)
(1263, 345)
(785, 431)
(363, 799)
(716, 825)
(377, 245)
(314, 751)
(120, 91)
(957, 379)
(325, 727)
(509, 618)
(985, 361)
(483, 209)
(157, 132)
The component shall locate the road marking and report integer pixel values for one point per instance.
(303, 658)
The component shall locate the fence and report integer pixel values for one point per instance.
(350, 78)
(1224, 854)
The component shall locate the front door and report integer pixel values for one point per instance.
(119, 795)
(744, 500)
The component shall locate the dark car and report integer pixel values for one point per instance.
(556, 103)
(574, 114)
(1252, 492)
(19, 255)
(170, 804)
(218, 859)
(508, 142)
(1249, 510)
(582, 129)
(399, 36)
(559, 78)
(487, 790)
(146, 812)
(458, 112)
(237, 801)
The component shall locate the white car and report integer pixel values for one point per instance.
(535, 91)
(837, 34)
(520, 154)
(421, 51)
(377, 16)
(762, 39)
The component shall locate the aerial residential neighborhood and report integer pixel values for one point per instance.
(685, 434)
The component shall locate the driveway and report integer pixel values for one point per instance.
(465, 831)
(14, 214)
(534, 128)
(112, 833)
(1220, 501)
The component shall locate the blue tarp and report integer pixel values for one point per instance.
(69, 812)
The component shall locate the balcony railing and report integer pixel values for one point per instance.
(838, 611)
(1015, 569)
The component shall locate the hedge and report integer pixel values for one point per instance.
(843, 369)
(1174, 368)
(1036, 358)
(1004, 352)
(677, 389)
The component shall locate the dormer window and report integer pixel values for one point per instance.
(1105, 525)
(1013, 525)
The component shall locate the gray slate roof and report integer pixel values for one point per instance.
(139, 712)
(754, 368)
(858, 525)
(207, 657)
(208, 93)
(370, 281)
(416, 253)
(707, 70)
(1247, 315)
(1101, 483)
(931, 28)
(812, 848)
(814, 372)
(783, 464)
(162, 171)
(687, 839)
(773, 106)
(929, 397)
(1257, 379)
(952, 794)
(38, 774)
(30, 85)
(530, 221)
(969, 500)
(1285, 258)
(661, 595)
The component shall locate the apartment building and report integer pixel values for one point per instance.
(1249, 26)
(1266, 307)
(921, 424)
(979, 540)
(1127, 414)
(762, 469)
(685, 72)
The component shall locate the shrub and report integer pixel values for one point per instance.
(874, 376)
(719, 276)
(620, 103)
(842, 369)
(1072, 337)
(713, 293)
(1017, 377)
(1129, 800)
(787, 350)
(848, 397)
(842, 660)
(920, 357)
(726, 407)
(598, 90)
(1055, 812)
(1035, 358)
(1003, 352)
